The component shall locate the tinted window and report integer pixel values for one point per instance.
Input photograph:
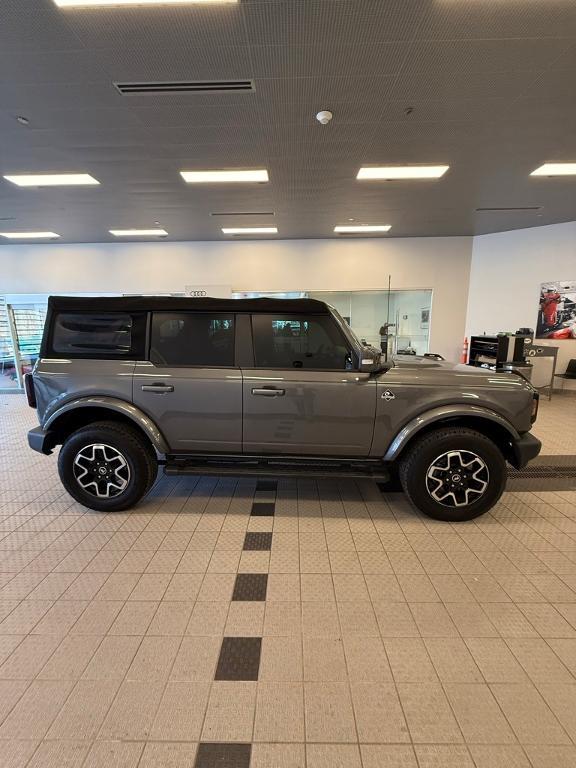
(105, 334)
(192, 338)
(296, 341)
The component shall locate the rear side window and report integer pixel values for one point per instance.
(299, 341)
(97, 334)
(192, 338)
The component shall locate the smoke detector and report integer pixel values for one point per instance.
(324, 116)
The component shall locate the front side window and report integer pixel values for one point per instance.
(299, 341)
(192, 338)
(93, 334)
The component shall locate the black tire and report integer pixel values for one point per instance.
(434, 447)
(138, 472)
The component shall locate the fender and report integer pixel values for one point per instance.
(438, 414)
(119, 406)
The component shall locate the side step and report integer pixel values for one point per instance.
(274, 466)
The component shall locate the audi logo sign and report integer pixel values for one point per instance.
(196, 294)
(201, 291)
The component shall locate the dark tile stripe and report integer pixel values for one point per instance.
(258, 541)
(250, 586)
(267, 485)
(223, 755)
(239, 658)
(263, 509)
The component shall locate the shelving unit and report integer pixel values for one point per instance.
(494, 351)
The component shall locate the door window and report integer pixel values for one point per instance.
(192, 338)
(297, 341)
(94, 334)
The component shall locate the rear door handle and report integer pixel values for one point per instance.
(160, 389)
(270, 392)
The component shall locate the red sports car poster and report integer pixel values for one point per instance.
(557, 312)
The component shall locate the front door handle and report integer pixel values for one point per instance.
(269, 392)
(158, 388)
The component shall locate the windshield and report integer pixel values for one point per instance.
(346, 327)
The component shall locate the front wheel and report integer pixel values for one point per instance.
(453, 474)
(107, 466)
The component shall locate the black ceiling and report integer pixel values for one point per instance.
(490, 83)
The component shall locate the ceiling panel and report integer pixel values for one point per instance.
(486, 86)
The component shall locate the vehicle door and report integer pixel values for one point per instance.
(302, 395)
(190, 385)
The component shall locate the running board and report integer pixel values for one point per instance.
(275, 466)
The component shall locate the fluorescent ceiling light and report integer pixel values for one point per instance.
(29, 235)
(364, 228)
(208, 177)
(52, 179)
(387, 173)
(138, 232)
(250, 230)
(555, 169)
(104, 3)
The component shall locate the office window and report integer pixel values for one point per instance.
(294, 341)
(192, 338)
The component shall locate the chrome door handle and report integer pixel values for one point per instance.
(158, 388)
(269, 392)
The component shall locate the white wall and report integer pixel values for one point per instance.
(442, 264)
(507, 270)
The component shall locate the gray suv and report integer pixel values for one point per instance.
(264, 387)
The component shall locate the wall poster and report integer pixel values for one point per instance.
(557, 311)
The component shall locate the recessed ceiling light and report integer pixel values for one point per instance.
(52, 179)
(29, 235)
(138, 232)
(392, 172)
(209, 177)
(103, 3)
(555, 169)
(364, 228)
(250, 230)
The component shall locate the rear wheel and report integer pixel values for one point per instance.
(453, 474)
(107, 466)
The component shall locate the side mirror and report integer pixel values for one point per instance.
(370, 360)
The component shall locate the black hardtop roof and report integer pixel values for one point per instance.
(178, 303)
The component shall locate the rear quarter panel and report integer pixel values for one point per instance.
(418, 391)
(57, 381)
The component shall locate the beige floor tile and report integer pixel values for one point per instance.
(134, 618)
(279, 712)
(388, 756)
(366, 659)
(71, 657)
(452, 660)
(495, 660)
(154, 658)
(16, 753)
(417, 588)
(545, 619)
(357, 618)
(314, 562)
(528, 714)
(433, 620)
(168, 755)
(551, 757)
(320, 620)
(329, 714)
(117, 586)
(181, 712)
(350, 587)
(283, 587)
(112, 658)
(395, 620)
(508, 620)
(324, 660)
(59, 754)
(451, 588)
(196, 659)
(443, 756)
(317, 587)
(97, 618)
(539, 661)
(216, 587)
(85, 710)
(278, 756)
(7, 644)
(245, 619)
(132, 713)
(284, 561)
(332, 756)
(230, 713)
(35, 710)
(254, 562)
(29, 657)
(565, 649)
(379, 717)
(183, 586)
(60, 618)
(171, 618)
(471, 620)
(428, 713)
(23, 617)
(478, 714)
(561, 698)
(409, 660)
(281, 659)
(501, 756)
(208, 618)
(10, 692)
(114, 754)
(283, 618)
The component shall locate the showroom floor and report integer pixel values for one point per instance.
(281, 625)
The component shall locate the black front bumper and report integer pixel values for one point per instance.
(41, 440)
(526, 448)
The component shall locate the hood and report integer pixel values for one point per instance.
(412, 368)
